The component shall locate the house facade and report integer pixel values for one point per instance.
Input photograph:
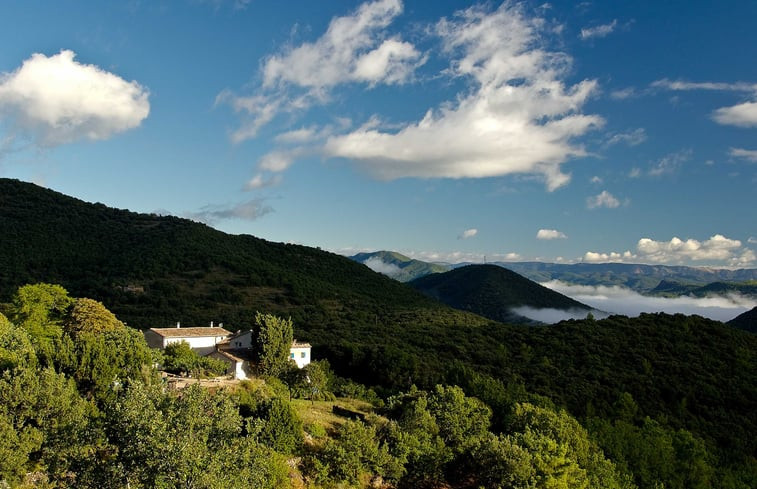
(233, 349)
(203, 340)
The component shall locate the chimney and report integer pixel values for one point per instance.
(178, 324)
(211, 324)
(220, 325)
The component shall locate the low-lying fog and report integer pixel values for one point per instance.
(621, 300)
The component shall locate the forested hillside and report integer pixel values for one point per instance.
(156, 270)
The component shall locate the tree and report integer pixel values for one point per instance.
(275, 336)
(90, 316)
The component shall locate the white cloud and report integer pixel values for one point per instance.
(718, 247)
(680, 85)
(260, 181)
(620, 300)
(598, 31)
(632, 138)
(746, 154)
(612, 257)
(56, 100)
(595, 179)
(752, 240)
(552, 316)
(468, 233)
(550, 234)
(378, 265)
(741, 115)
(604, 199)
(280, 159)
(669, 163)
(249, 211)
(354, 49)
(624, 93)
(634, 173)
(520, 116)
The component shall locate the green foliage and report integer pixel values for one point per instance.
(274, 339)
(16, 349)
(279, 427)
(191, 440)
(356, 450)
(46, 426)
(180, 358)
(90, 316)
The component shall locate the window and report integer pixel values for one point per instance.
(291, 355)
(302, 355)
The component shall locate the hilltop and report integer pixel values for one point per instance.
(494, 292)
(398, 266)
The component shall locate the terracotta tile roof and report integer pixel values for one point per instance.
(190, 332)
(299, 344)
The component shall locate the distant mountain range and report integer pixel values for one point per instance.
(496, 293)
(660, 280)
(398, 266)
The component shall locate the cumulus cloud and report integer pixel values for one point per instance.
(56, 100)
(741, 115)
(620, 300)
(548, 234)
(378, 265)
(520, 116)
(604, 199)
(745, 154)
(354, 49)
(612, 257)
(717, 248)
(468, 233)
(248, 211)
(598, 31)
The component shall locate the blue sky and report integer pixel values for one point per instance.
(450, 131)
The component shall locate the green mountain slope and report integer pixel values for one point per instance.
(397, 265)
(746, 321)
(154, 271)
(493, 292)
(675, 289)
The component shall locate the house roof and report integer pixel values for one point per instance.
(300, 344)
(190, 332)
(229, 355)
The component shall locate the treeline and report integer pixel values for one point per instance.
(81, 406)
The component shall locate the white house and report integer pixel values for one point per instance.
(300, 353)
(202, 340)
(237, 367)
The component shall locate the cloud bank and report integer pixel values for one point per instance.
(56, 100)
(620, 300)
(717, 248)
